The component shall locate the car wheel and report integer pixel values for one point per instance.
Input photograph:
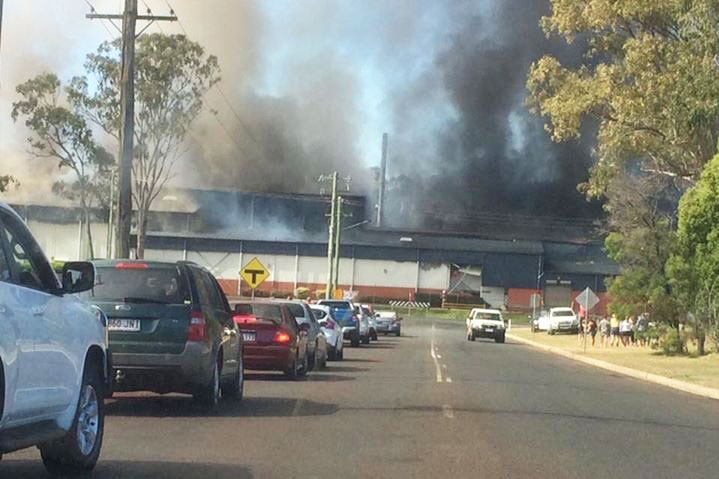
(323, 363)
(293, 371)
(469, 336)
(332, 354)
(311, 360)
(236, 388)
(365, 340)
(304, 368)
(355, 342)
(472, 336)
(341, 354)
(209, 395)
(499, 339)
(78, 451)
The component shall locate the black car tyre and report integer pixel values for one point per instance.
(365, 340)
(304, 368)
(312, 359)
(472, 336)
(374, 335)
(78, 451)
(235, 389)
(341, 354)
(293, 372)
(499, 339)
(209, 395)
(355, 342)
(332, 354)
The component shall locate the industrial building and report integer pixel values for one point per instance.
(508, 267)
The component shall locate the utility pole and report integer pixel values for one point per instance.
(330, 241)
(127, 117)
(382, 180)
(338, 234)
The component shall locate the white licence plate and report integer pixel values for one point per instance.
(489, 330)
(123, 325)
(249, 336)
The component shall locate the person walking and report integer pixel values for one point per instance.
(641, 329)
(605, 330)
(614, 324)
(632, 331)
(625, 331)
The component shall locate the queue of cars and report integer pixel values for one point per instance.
(68, 343)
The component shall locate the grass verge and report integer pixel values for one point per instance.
(703, 370)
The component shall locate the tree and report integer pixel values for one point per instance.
(695, 267)
(6, 181)
(61, 134)
(641, 239)
(173, 74)
(649, 80)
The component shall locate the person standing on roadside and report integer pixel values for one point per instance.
(632, 331)
(592, 330)
(605, 330)
(625, 331)
(641, 329)
(614, 324)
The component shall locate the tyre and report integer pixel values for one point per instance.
(374, 335)
(398, 334)
(323, 362)
(332, 354)
(209, 395)
(472, 336)
(341, 354)
(293, 372)
(78, 451)
(365, 340)
(304, 368)
(469, 336)
(355, 341)
(236, 388)
(550, 331)
(499, 339)
(312, 359)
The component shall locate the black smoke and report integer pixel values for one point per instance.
(494, 157)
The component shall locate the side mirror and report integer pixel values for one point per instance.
(77, 276)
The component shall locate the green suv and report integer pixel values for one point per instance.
(170, 329)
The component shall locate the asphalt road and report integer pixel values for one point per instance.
(428, 404)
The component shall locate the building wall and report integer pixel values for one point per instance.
(60, 241)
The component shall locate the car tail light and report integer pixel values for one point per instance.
(281, 337)
(198, 327)
(123, 265)
(242, 319)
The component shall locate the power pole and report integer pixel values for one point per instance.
(330, 241)
(382, 181)
(127, 118)
(338, 234)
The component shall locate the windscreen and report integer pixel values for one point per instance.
(268, 312)
(154, 285)
(243, 308)
(488, 316)
(563, 313)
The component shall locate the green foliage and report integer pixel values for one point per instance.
(670, 341)
(302, 293)
(173, 74)
(649, 80)
(60, 133)
(6, 181)
(695, 266)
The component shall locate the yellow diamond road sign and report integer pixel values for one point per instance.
(254, 273)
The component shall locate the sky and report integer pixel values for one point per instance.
(311, 85)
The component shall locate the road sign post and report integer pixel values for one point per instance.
(254, 273)
(588, 300)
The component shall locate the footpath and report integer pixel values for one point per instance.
(698, 376)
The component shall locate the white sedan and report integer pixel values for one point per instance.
(332, 331)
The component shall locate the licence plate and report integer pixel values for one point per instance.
(489, 330)
(123, 325)
(249, 336)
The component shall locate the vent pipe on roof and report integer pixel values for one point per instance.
(382, 180)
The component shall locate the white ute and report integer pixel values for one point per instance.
(54, 360)
(485, 323)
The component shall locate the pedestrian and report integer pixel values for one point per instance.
(605, 330)
(592, 329)
(632, 331)
(580, 330)
(625, 331)
(641, 330)
(614, 324)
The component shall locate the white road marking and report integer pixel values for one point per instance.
(447, 411)
(433, 354)
(296, 409)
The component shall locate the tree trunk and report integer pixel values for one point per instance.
(701, 339)
(88, 223)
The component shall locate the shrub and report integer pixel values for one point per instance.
(670, 340)
(302, 293)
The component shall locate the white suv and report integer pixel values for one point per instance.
(485, 323)
(562, 320)
(54, 360)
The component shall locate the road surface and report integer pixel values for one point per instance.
(428, 404)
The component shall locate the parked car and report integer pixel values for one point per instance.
(316, 341)
(562, 320)
(369, 313)
(273, 341)
(540, 322)
(485, 323)
(171, 329)
(344, 312)
(332, 331)
(387, 322)
(54, 357)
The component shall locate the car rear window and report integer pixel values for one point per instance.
(165, 285)
(267, 312)
(296, 310)
(563, 312)
(488, 316)
(243, 308)
(319, 313)
(336, 304)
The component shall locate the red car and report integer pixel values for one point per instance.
(273, 341)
